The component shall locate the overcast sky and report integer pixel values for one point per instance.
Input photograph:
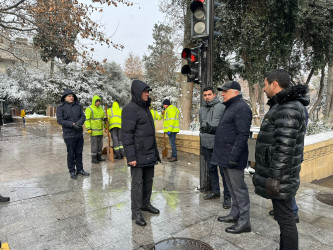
(131, 26)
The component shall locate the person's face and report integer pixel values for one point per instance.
(97, 103)
(228, 94)
(69, 98)
(208, 96)
(268, 89)
(145, 95)
(165, 106)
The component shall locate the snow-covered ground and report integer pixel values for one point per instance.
(34, 115)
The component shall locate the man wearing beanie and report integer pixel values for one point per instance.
(70, 115)
(139, 141)
(171, 126)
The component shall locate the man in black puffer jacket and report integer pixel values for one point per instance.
(231, 153)
(70, 115)
(279, 150)
(139, 141)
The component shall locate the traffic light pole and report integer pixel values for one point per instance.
(207, 50)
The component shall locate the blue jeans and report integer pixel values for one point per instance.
(172, 141)
(213, 174)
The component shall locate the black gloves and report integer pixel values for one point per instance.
(207, 129)
(272, 187)
(105, 119)
(77, 127)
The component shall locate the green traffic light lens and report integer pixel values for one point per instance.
(199, 27)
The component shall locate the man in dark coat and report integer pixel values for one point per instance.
(211, 114)
(279, 150)
(139, 141)
(231, 153)
(70, 115)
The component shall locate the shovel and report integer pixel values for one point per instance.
(108, 149)
(165, 149)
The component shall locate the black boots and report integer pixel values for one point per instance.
(4, 199)
(94, 159)
(99, 157)
(82, 172)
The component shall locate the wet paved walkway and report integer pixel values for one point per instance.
(48, 210)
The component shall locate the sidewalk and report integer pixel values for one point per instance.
(48, 210)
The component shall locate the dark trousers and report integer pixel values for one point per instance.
(214, 175)
(239, 194)
(172, 141)
(283, 214)
(74, 153)
(141, 188)
(96, 144)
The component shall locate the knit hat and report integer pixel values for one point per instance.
(166, 102)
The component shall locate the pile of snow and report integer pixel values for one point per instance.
(312, 139)
(34, 115)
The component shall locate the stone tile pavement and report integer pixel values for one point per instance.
(48, 210)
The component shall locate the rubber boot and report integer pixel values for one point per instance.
(117, 154)
(99, 157)
(94, 159)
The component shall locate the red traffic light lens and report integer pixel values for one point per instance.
(187, 54)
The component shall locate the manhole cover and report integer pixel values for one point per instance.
(181, 244)
(326, 198)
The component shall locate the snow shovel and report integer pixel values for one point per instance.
(165, 149)
(109, 148)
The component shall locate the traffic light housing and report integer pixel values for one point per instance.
(203, 19)
(199, 18)
(193, 68)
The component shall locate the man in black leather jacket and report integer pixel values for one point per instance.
(279, 150)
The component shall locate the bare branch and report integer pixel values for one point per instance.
(13, 6)
(9, 52)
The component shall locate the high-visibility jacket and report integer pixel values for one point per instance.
(94, 117)
(22, 113)
(171, 119)
(114, 116)
(156, 116)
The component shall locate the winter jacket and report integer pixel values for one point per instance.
(232, 134)
(114, 116)
(280, 142)
(210, 113)
(67, 114)
(22, 113)
(156, 116)
(171, 119)
(138, 130)
(94, 117)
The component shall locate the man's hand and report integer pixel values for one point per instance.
(169, 133)
(272, 187)
(206, 129)
(132, 163)
(105, 119)
(163, 112)
(89, 131)
(77, 127)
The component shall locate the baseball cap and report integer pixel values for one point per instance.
(230, 85)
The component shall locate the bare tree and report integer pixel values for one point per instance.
(133, 67)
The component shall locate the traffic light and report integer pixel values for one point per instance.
(200, 18)
(202, 22)
(192, 69)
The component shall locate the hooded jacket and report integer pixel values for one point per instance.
(138, 130)
(210, 113)
(67, 114)
(114, 116)
(232, 135)
(94, 117)
(280, 142)
(171, 119)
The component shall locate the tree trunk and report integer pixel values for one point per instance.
(52, 67)
(329, 96)
(185, 102)
(320, 94)
(255, 115)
